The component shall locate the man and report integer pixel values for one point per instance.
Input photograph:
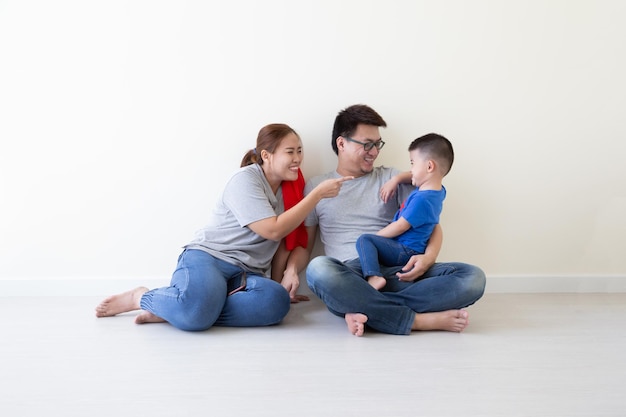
(422, 295)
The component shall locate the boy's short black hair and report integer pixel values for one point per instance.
(437, 147)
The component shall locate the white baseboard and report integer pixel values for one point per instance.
(556, 284)
(58, 287)
(495, 284)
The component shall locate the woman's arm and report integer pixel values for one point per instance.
(287, 265)
(277, 227)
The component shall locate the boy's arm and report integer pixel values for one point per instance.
(394, 229)
(388, 190)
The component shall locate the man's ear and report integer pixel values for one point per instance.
(339, 141)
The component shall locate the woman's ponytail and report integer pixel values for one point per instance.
(250, 158)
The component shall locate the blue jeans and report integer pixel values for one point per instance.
(343, 289)
(374, 250)
(197, 296)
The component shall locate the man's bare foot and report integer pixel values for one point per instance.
(450, 320)
(356, 323)
(121, 303)
(377, 282)
(148, 317)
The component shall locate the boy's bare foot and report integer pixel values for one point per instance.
(356, 323)
(377, 282)
(120, 303)
(450, 320)
(148, 317)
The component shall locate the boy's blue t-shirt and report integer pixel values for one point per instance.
(421, 209)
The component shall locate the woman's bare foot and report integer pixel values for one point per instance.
(148, 317)
(377, 282)
(121, 303)
(450, 320)
(356, 323)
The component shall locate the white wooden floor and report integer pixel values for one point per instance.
(522, 355)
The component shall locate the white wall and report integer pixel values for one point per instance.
(120, 121)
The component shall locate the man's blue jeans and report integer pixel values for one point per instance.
(197, 296)
(342, 287)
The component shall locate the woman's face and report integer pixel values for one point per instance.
(283, 164)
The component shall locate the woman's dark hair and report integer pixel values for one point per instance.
(269, 138)
(349, 118)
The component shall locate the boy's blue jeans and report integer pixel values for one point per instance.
(375, 250)
(197, 296)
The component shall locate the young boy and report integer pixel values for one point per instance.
(431, 158)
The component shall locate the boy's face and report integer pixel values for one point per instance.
(419, 167)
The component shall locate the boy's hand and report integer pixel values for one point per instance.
(388, 190)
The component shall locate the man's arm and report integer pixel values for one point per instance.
(419, 264)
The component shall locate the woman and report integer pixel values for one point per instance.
(221, 274)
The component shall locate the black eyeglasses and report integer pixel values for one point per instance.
(367, 145)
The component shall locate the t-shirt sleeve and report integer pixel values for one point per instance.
(419, 211)
(245, 196)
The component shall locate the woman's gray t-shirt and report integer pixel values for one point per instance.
(246, 198)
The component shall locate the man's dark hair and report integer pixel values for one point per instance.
(437, 147)
(349, 118)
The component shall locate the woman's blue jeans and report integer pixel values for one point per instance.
(197, 296)
(342, 287)
(375, 250)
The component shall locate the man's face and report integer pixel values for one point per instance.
(353, 158)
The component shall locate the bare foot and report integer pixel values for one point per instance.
(120, 303)
(356, 323)
(450, 320)
(377, 282)
(148, 317)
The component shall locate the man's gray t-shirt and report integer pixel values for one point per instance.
(356, 210)
(246, 198)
